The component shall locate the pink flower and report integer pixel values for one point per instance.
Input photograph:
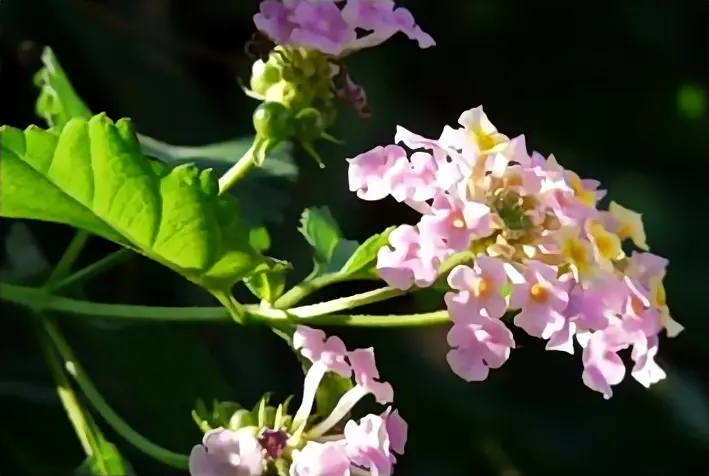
(409, 262)
(603, 368)
(541, 298)
(320, 459)
(367, 376)
(368, 444)
(227, 453)
(382, 18)
(397, 429)
(455, 222)
(478, 346)
(479, 289)
(369, 173)
(321, 27)
(275, 20)
(315, 346)
(646, 371)
(325, 26)
(481, 194)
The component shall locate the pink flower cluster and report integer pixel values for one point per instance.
(541, 246)
(363, 448)
(332, 26)
(359, 449)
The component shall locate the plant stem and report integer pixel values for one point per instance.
(235, 310)
(294, 295)
(67, 260)
(67, 396)
(349, 302)
(36, 298)
(240, 168)
(93, 269)
(74, 369)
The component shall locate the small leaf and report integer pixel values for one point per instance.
(260, 239)
(91, 175)
(331, 250)
(268, 285)
(57, 101)
(366, 255)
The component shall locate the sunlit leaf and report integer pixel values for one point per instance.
(92, 175)
(57, 101)
(365, 256)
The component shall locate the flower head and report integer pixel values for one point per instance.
(306, 445)
(332, 27)
(536, 244)
(300, 47)
(226, 452)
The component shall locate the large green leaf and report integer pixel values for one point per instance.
(262, 194)
(92, 175)
(57, 101)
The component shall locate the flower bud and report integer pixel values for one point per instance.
(273, 122)
(241, 419)
(264, 75)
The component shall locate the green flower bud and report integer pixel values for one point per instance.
(241, 418)
(309, 124)
(273, 122)
(263, 76)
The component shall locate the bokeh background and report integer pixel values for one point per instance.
(615, 89)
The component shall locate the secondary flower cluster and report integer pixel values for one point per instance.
(542, 248)
(305, 69)
(332, 26)
(314, 448)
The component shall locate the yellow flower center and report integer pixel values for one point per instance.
(482, 287)
(584, 196)
(538, 293)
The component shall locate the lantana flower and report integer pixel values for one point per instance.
(301, 44)
(540, 250)
(304, 445)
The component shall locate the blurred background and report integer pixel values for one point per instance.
(615, 89)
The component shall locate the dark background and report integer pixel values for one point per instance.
(615, 89)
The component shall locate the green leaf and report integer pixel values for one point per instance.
(365, 257)
(261, 194)
(91, 175)
(331, 251)
(268, 285)
(57, 101)
(105, 461)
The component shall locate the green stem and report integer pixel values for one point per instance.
(67, 396)
(70, 255)
(112, 418)
(35, 298)
(294, 295)
(349, 302)
(93, 269)
(233, 307)
(242, 166)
